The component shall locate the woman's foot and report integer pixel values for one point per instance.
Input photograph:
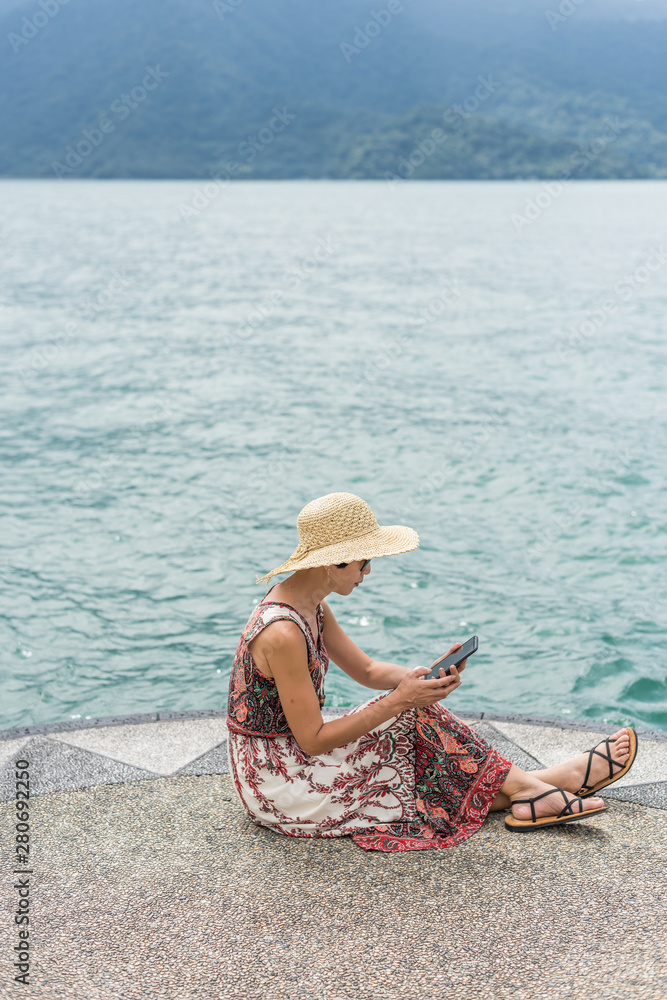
(608, 760)
(548, 805)
(571, 774)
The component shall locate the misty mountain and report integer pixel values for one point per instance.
(333, 88)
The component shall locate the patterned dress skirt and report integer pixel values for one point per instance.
(418, 781)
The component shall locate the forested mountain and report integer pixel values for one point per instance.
(333, 88)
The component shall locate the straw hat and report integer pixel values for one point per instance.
(341, 527)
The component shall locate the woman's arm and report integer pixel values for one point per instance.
(359, 665)
(282, 643)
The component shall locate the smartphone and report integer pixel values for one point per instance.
(452, 659)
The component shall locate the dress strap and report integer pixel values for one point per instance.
(265, 614)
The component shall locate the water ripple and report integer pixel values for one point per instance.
(174, 398)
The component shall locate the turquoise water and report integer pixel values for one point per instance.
(179, 385)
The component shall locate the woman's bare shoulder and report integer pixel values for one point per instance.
(284, 629)
(283, 634)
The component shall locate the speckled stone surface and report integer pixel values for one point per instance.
(161, 747)
(505, 746)
(10, 748)
(165, 889)
(145, 747)
(55, 766)
(215, 761)
(652, 794)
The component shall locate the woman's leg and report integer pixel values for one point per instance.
(501, 801)
(571, 773)
(525, 784)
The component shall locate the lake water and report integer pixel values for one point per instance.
(185, 367)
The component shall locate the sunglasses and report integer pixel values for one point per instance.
(363, 565)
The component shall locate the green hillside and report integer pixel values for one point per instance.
(292, 88)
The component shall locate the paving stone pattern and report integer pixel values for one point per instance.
(149, 881)
(164, 888)
(65, 758)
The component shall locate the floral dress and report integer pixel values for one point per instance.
(423, 779)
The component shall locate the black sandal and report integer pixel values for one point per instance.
(624, 768)
(566, 815)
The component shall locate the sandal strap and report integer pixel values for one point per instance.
(567, 810)
(543, 795)
(605, 756)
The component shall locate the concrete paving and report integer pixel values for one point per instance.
(149, 881)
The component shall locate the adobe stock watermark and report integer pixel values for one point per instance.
(291, 282)
(225, 7)
(565, 10)
(259, 481)
(31, 26)
(624, 289)
(102, 471)
(92, 138)
(655, 607)
(437, 478)
(377, 22)
(561, 523)
(39, 358)
(552, 190)
(396, 348)
(248, 150)
(453, 117)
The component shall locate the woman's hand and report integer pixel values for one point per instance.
(415, 692)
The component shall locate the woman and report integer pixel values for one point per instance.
(399, 772)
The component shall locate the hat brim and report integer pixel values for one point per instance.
(389, 540)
